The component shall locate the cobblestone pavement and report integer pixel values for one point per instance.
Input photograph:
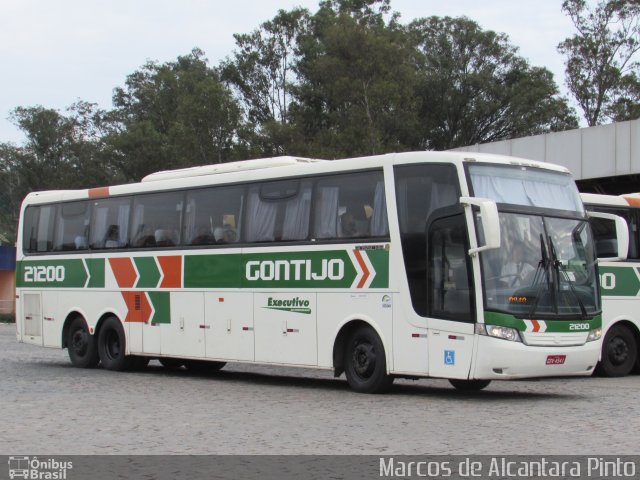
(49, 407)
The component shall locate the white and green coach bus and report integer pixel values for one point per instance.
(466, 267)
(619, 281)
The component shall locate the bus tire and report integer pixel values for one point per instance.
(81, 345)
(619, 352)
(365, 362)
(469, 385)
(203, 365)
(171, 363)
(112, 345)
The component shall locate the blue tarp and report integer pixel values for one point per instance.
(7, 258)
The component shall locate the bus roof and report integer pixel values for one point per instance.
(626, 200)
(274, 168)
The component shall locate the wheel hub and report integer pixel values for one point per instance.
(364, 359)
(618, 351)
(79, 342)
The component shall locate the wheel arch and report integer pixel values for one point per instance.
(340, 339)
(103, 318)
(71, 316)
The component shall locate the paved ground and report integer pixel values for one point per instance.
(49, 407)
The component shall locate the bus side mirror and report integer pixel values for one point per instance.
(490, 222)
(622, 234)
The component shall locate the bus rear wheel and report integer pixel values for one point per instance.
(469, 385)
(619, 352)
(81, 345)
(112, 346)
(365, 362)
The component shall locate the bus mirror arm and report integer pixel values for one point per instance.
(490, 222)
(622, 234)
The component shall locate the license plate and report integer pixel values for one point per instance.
(556, 359)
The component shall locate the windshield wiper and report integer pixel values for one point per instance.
(543, 266)
(560, 268)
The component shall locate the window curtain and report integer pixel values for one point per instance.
(379, 222)
(326, 219)
(99, 230)
(296, 218)
(261, 219)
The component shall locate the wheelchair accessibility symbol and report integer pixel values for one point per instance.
(449, 357)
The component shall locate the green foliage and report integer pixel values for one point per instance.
(355, 91)
(173, 115)
(474, 88)
(600, 69)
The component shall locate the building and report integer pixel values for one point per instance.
(7, 280)
(603, 159)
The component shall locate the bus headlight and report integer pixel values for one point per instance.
(506, 333)
(594, 335)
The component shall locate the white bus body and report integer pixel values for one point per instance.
(379, 267)
(619, 282)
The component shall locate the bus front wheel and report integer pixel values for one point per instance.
(365, 362)
(81, 345)
(112, 346)
(619, 352)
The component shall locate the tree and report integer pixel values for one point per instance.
(262, 73)
(173, 115)
(472, 87)
(355, 90)
(600, 65)
(60, 152)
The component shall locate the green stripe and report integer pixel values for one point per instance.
(64, 273)
(161, 303)
(96, 272)
(149, 272)
(553, 326)
(619, 281)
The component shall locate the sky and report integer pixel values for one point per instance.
(55, 52)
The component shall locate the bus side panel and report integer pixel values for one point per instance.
(410, 343)
(183, 333)
(230, 330)
(620, 286)
(337, 309)
(30, 317)
(285, 328)
(52, 319)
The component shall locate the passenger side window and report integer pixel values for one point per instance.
(72, 227)
(279, 211)
(420, 190)
(212, 215)
(450, 289)
(350, 206)
(605, 236)
(45, 228)
(110, 223)
(30, 229)
(156, 220)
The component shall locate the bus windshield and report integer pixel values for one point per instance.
(546, 265)
(526, 186)
(545, 268)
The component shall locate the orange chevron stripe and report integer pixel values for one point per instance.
(98, 192)
(138, 307)
(172, 269)
(633, 201)
(536, 325)
(364, 268)
(124, 271)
